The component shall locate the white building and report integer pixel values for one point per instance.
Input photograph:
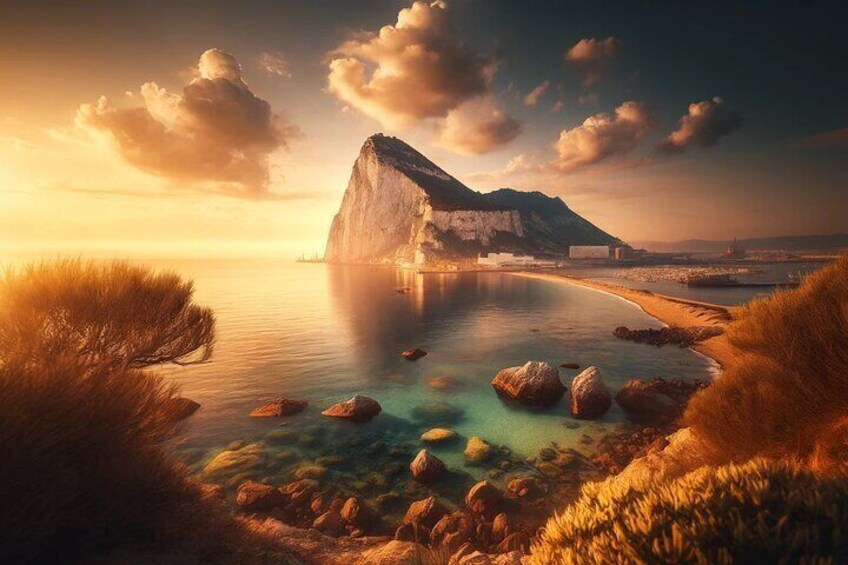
(589, 252)
(512, 260)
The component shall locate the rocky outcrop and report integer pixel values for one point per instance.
(535, 384)
(280, 407)
(357, 409)
(399, 204)
(590, 397)
(255, 497)
(658, 401)
(682, 337)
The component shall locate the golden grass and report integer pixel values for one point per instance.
(759, 512)
(111, 312)
(786, 393)
(86, 473)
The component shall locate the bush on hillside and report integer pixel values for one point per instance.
(111, 312)
(84, 464)
(759, 512)
(786, 393)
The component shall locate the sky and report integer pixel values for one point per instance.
(219, 127)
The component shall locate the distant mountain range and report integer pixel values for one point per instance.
(401, 207)
(834, 242)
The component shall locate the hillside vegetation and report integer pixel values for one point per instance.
(86, 473)
(759, 512)
(772, 428)
(786, 393)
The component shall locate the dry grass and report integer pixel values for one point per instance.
(112, 312)
(786, 393)
(759, 512)
(85, 469)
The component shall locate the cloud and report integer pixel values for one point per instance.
(476, 127)
(826, 140)
(591, 56)
(418, 68)
(704, 125)
(274, 63)
(534, 95)
(216, 133)
(602, 136)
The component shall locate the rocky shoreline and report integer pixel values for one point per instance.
(412, 505)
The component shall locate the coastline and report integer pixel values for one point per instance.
(667, 309)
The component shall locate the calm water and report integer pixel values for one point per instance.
(324, 333)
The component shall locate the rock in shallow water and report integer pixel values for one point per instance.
(534, 384)
(426, 467)
(478, 450)
(413, 354)
(590, 397)
(280, 407)
(233, 461)
(357, 409)
(655, 402)
(438, 435)
(179, 408)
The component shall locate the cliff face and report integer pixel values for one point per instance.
(398, 202)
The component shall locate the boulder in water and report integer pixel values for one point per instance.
(590, 397)
(357, 409)
(478, 450)
(280, 407)
(426, 467)
(413, 354)
(438, 435)
(534, 384)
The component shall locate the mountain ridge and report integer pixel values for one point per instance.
(401, 207)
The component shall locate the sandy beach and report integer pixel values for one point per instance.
(668, 309)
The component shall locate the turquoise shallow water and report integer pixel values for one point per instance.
(324, 333)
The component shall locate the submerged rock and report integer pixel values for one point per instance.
(437, 414)
(478, 450)
(535, 384)
(257, 497)
(358, 409)
(232, 461)
(438, 435)
(413, 354)
(280, 407)
(426, 467)
(590, 397)
(445, 383)
(570, 365)
(485, 499)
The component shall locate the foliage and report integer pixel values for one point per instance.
(112, 312)
(759, 512)
(786, 393)
(84, 461)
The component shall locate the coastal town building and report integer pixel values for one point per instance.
(512, 260)
(589, 252)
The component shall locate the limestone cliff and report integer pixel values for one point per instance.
(398, 203)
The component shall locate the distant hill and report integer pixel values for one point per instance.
(400, 206)
(834, 242)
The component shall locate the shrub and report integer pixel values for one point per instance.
(759, 512)
(786, 393)
(110, 312)
(84, 463)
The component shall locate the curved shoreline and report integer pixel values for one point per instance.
(667, 309)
